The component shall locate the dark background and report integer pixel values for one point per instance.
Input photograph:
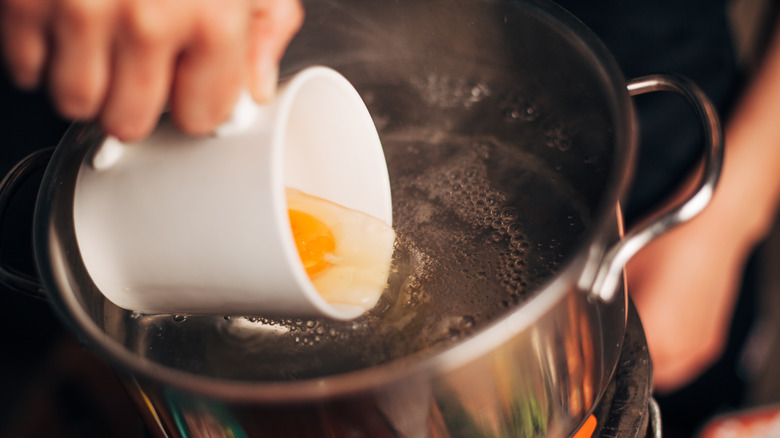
(49, 385)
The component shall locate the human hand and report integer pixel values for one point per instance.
(122, 61)
(684, 285)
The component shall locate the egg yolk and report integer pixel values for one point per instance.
(314, 240)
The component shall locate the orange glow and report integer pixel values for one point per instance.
(314, 240)
(587, 429)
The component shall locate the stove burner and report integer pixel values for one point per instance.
(625, 409)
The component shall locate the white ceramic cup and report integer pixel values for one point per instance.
(179, 224)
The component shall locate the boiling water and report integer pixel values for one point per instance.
(470, 217)
(485, 210)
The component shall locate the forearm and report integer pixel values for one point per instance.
(685, 283)
(749, 191)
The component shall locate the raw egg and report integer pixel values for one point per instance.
(346, 253)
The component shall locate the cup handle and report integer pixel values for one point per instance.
(9, 277)
(243, 116)
(610, 269)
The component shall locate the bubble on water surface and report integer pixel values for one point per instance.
(516, 107)
(444, 91)
(556, 137)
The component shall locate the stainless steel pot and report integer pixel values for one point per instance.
(510, 135)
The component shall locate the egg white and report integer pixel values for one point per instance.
(361, 260)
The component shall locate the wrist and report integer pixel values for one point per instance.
(744, 218)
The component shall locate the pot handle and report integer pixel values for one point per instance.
(610, 269)
(9, 277)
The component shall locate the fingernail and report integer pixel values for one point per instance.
(266, 76)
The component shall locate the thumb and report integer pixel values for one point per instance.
(273, 23)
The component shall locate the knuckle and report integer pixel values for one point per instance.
(221, 27)
(144, 26)
(81, 15)
(286, 16)
(278, 22)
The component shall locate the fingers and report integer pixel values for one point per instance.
(120, 61)
(144, 54)
(272, 25)
(23, 30)
(80, 57)
(212, 68)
